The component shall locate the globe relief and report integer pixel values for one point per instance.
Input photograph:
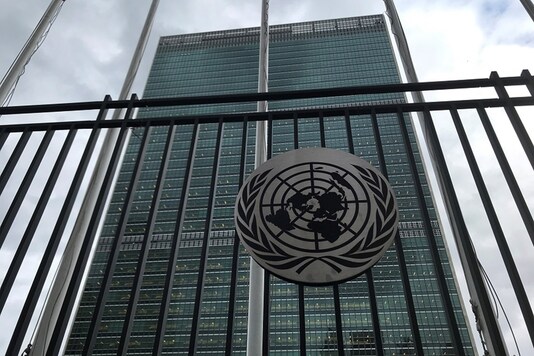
(316, 216)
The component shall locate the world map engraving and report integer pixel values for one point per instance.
(323, 206)
(316, 216)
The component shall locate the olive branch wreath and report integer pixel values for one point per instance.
(364, 251)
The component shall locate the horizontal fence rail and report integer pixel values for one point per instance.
(524, 79)
(44, 166)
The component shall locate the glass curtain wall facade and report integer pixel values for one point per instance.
(178, 282)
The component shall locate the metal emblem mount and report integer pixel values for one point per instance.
(316, 216)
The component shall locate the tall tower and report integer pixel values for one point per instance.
(180, 284)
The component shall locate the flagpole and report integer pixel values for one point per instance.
(16, 69)
(256, 274)
(529, 7)
(72, 250)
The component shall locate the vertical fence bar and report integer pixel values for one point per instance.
(339, 324)
(414, 325)
(348, 128)
(477, 288)
(266, 312)
(511, 268)
(235, 249)
(507, 172)
(171, 266)
(440, 274)
(515, 120)
(145, 246)
(335, 287)
(89, 238)
(302, 315)
(302, 321)
(374, 313)
(18, 258)
(51, 248)
(13, 159)
(486, 123)
(369, 273)
(3, 136)
(27, 237)
(295, 131)
(24, 186)
(525, 74)
(321, 129)
(105, 286)
(267, 274)
(15, 206)
(205, 243)
(269, 136)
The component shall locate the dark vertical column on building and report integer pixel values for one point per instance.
(171, 266)
(444, 289)
(143, 255)
(205, 243)
(398, 246)
(105, 286)
(493, 219)
(235, 248)
(508, 174)
(12, 161)
(81, 262)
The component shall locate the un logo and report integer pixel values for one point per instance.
(316, 216)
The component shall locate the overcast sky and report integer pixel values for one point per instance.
(88, 49)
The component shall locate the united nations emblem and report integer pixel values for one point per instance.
(316, 216)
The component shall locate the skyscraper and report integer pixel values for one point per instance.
(178, 280)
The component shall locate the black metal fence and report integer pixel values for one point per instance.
(24, 148)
